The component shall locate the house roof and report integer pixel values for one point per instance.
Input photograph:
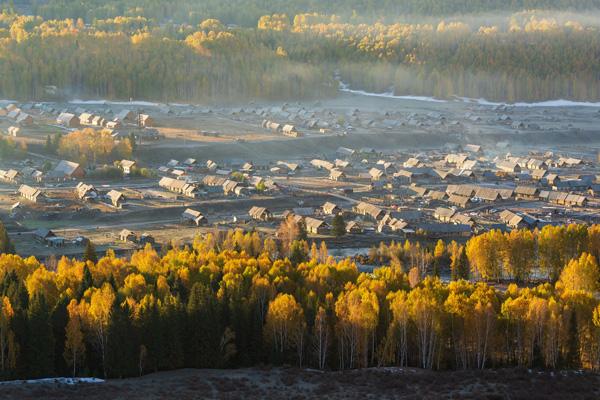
(29, 191)
(43, 233)
(115, 195)
(442, 212)
(329, 207)
(461, 219)
(127, 163)
(83, 189)
(313, 223)
(369, 209)
(66, 168)
(257, 212)
(336, 174)
(437, 195)
(487, 194)
(458, 200)
(526, 190)
(192, 214)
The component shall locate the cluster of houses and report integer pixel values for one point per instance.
(285, 129)
(82, 117)
(17, 115)
(63, 171)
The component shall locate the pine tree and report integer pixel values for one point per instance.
(87, 281)
(58, 320)
(464, 264)
(172, 327)
(572, 356)
(6, 245)
(302, 234)
(122, 350)
(132, 142)
(40, 339)
(297, 253)
(204, 328)
(90, 253)
(338, 225)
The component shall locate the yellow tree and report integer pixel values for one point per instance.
(397, 337)
(6, 334)
(357, 310)
(484, 254)
(426, 312)
(285, 325)
(101, 302)
(321, 337)
(74, 345)
(483, 321)
(519, 254)
(581, 274)
(594, 241)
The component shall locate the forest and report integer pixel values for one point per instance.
(235, 299)
(523, 56)
(247, 12)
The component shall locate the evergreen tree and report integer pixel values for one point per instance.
(297, 253)
(6, 245)
(132, 142)
(338, 225)
(40, 339)
(122, 350)
(573, 357)
(59, 319)
(48, 146)
(302, 234)
(15, 289)
(90, 252)
(464, 264)
(87, 281)
(172, 328)
(203, 327)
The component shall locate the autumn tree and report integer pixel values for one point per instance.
(357, 310)
(321, 337)
(581, 274)
(285, 325)
(98, 315)
(74, 343)
(7, 340)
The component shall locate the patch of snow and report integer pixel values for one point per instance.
(547, 103)
(50, 381)
(483, 102)
(116, 103)
(388, 95)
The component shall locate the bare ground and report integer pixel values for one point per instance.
(284, 383)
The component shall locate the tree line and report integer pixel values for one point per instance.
(235, 299)
(524, 57)
(246, 13)
(174, 63)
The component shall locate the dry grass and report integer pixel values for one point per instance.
(302, 384)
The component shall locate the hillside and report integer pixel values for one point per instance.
(303, 384)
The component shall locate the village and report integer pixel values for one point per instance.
(448, 172)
